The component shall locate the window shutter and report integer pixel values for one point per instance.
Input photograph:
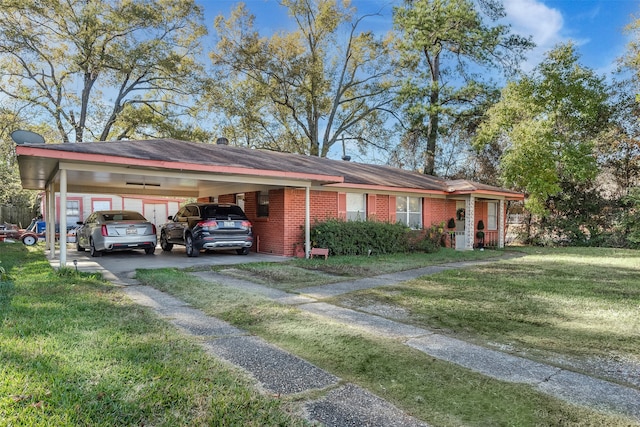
(342, 206)
(371, 206)
(392, 209)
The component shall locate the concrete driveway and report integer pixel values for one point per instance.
(121, 265)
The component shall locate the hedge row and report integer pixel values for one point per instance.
(371, 237)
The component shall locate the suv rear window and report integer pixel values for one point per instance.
(223, 212)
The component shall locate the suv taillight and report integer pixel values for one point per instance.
(206, 225)
(153, 229)
(246, 225)
(103, 230)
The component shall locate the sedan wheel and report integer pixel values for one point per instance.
(191, 250)
(92, 250)
(29, 240)
(164, 244)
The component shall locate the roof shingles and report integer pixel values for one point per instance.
(170, 150)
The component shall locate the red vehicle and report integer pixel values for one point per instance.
(28, 235)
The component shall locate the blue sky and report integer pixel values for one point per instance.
(595, 26)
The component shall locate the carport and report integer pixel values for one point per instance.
(163, 167)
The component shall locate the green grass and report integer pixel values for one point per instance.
(440, 393)
(75, 351)
(578, 303)
(301, 273)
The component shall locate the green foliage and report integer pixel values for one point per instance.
(11, 192)
(630, 222)
(304, 90)
(547, 123)
(59, 57)
(371, 237)
(440, 39)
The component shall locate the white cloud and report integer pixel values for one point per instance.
(533, 18)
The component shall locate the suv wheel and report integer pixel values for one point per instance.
(164, 243)
(188, 244)
(243, 251)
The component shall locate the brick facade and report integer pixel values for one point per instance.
(283, 229)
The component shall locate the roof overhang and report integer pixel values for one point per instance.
(103, 174)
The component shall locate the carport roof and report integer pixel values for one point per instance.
(171, 167)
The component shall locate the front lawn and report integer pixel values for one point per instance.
(575, 307)
(440, 393)
(74, 351)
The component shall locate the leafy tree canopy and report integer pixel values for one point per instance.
(447, 48)
(305, 90)
(103, 69)
(548, 123)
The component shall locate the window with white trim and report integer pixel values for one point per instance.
(356, 207)
(492, 216)
(409, 211)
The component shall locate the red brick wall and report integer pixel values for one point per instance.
(437, 211)
(382, 208)
(268, 231)
(284, 228)
(227, 198)
(322, 206)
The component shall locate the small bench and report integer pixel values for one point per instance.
(320, 252)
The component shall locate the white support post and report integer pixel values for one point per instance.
(307, 221)
(501, 224)
(469, 222)
(50, 220)
(63, 218)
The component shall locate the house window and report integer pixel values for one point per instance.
(73, 213)
(100, 205)
(263, 204)
(409, 211)
(492, 216)
(356, 207)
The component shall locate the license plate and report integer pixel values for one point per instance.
(229, 224)
(132, 230)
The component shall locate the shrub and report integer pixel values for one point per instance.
(365, 237)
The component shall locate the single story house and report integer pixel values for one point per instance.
(281, 193)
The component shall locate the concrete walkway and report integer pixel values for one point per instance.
(343, 404)
(563, 384)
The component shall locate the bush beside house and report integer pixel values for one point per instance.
(373, 237)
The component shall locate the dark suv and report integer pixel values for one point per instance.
(212, 226)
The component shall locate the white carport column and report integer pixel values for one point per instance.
(501, 227)
(50, 220)
(469, 221)
(63, 218)
(307, 221)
